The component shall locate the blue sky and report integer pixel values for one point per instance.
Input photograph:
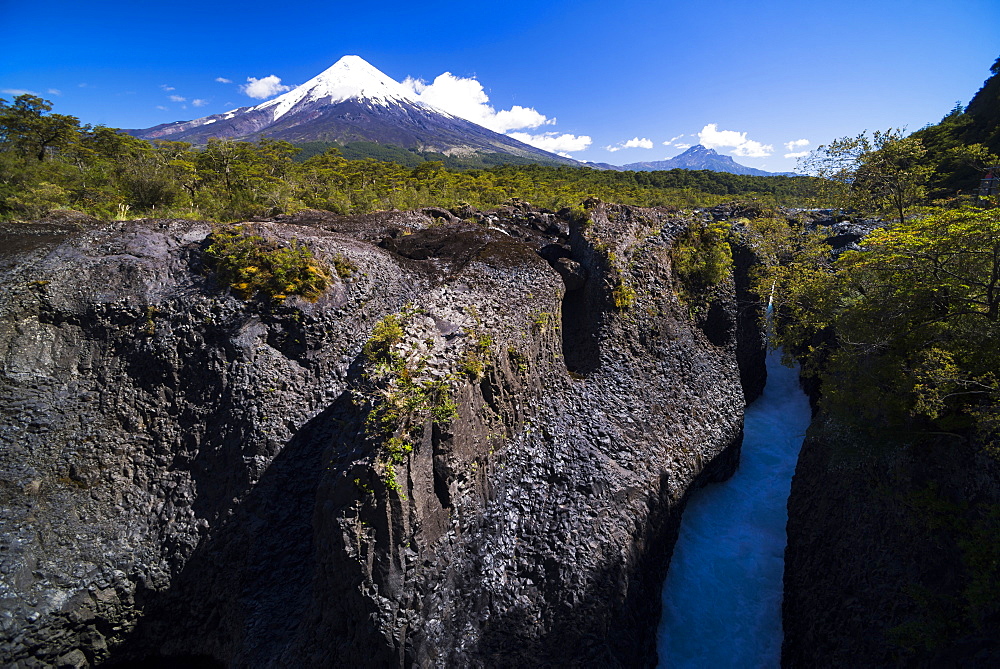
(752, 78)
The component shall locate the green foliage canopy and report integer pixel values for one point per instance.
(907, 331)
(878, 174)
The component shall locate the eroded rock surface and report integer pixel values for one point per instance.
(188, 475)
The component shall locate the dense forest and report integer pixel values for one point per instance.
(49, 161)
(896, 496)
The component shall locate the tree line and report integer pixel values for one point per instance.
(50, 161)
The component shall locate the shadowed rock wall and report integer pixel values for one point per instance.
(188, 474)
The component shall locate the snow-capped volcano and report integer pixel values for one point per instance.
(350, 77)
(351, 101)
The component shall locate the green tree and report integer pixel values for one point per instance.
(907, 331)
(250, 176)
(880, 174)
(28, 129)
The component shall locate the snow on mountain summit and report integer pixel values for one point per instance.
(350, 77)
(351, 101)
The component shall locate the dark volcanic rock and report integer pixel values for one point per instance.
(751, 338)
(187, 477)
(880, 568)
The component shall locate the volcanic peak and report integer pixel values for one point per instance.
(351, 77)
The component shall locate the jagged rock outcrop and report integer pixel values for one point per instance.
(187, 476)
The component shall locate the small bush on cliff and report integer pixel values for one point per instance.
(400, 395)
(250, 264)
(624, 295)
(343, 266)
(701, 260)
(702, 257)
(476, 358)
(387, 333)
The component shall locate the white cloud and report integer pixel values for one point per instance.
(264, 88)
(554, 142)
(711, 137)
(797, 154)
(638, 143)
(167, 88)
(161, 107)
(465, 97)
(634, 143)
(17, 91)
(683, 147)
(518, 117)
(198, 102)
(55, 91)
(176, 98)
(223, 80)
(672, 140)
(797, 144)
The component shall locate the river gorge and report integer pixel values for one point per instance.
(192, 476)
(725, 576)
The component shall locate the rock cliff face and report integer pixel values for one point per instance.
(892, 557)
(189, 476)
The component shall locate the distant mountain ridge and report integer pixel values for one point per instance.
(699, 157)
(352, 101)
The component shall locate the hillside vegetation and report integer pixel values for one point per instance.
(904, 330)
(965, 141)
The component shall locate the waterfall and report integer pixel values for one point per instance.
(722, 595)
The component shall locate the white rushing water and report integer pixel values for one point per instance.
(722, 595)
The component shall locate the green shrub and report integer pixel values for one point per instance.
(624, 295)
(250, 264)
(540, 321)
(518, 360)
(387, 333)
(400, 395)
(343, 266)
(38, 200)
(702, 257)
(476, 358)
